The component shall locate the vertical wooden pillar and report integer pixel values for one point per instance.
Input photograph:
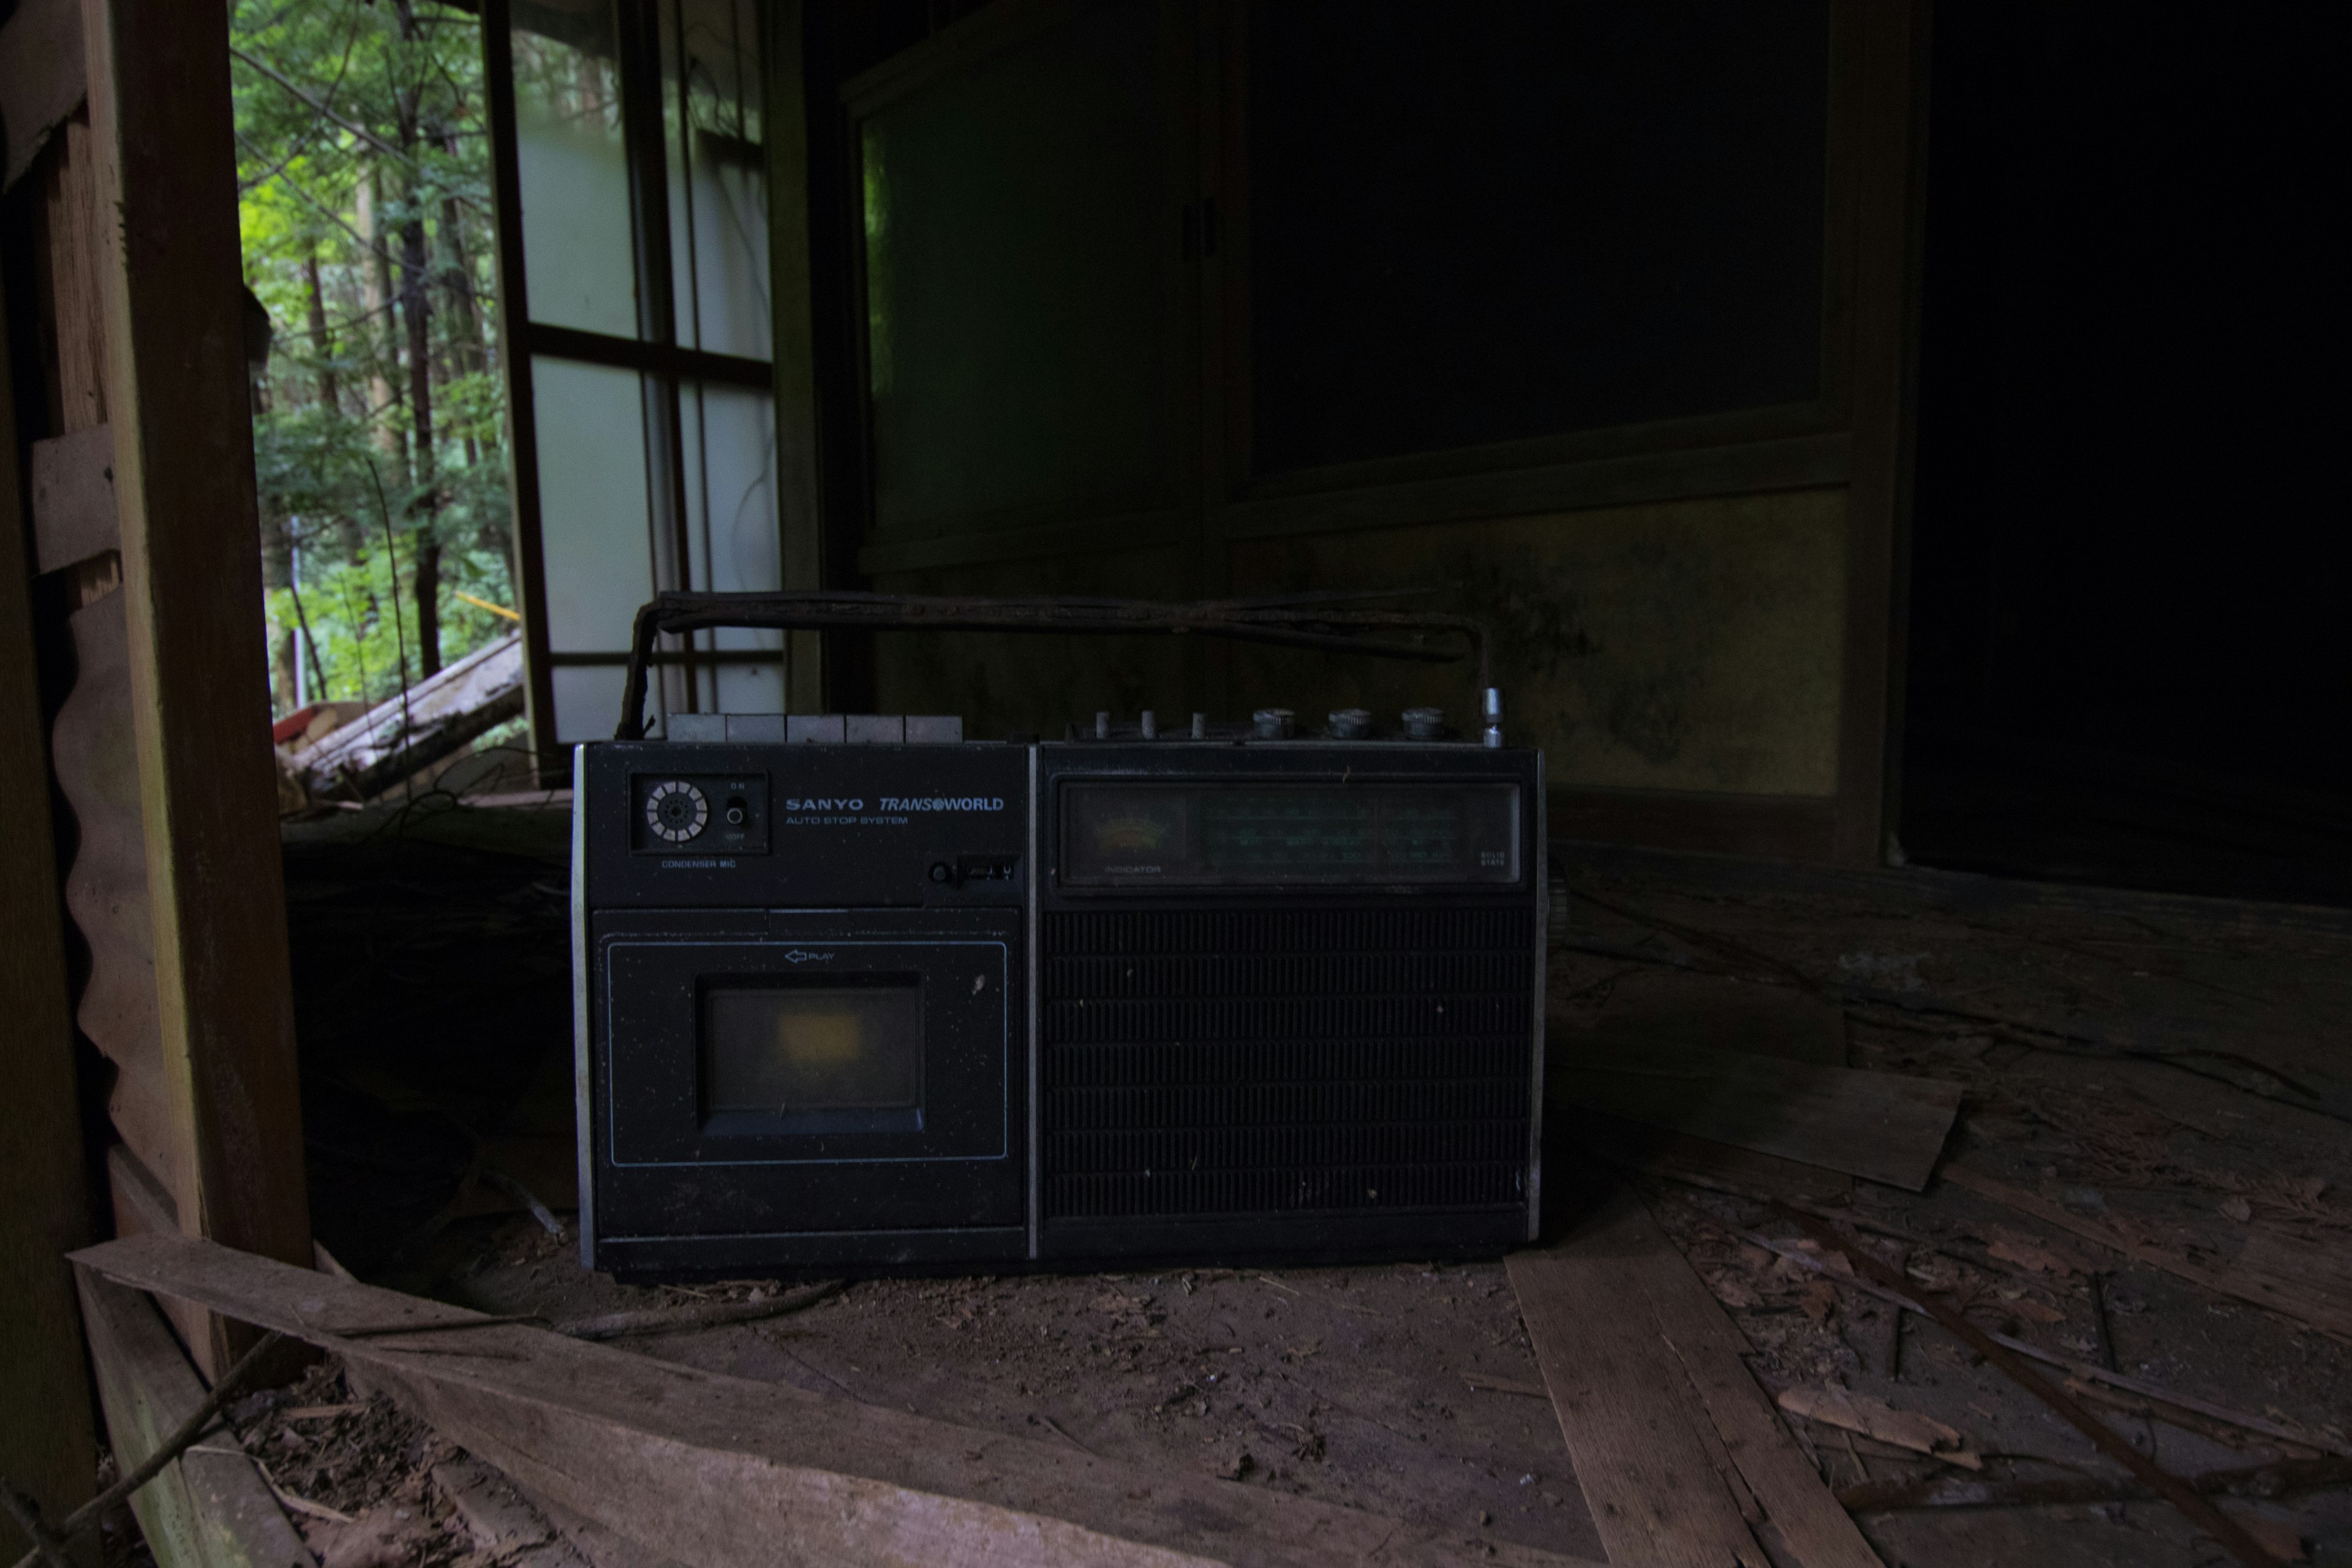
(1892, 40)
(800, 511)
(47, 1443)
(171, 291)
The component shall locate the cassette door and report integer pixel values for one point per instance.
(819, 1078)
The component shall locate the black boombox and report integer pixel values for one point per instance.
(858, 993)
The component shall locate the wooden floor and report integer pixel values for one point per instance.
(2173, 1071)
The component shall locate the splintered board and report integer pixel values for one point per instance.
(1682, 1461)
(723, 1473)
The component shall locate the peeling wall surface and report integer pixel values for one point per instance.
(1687, 646)
(1035, 684)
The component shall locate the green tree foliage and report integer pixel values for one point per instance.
(379, 425)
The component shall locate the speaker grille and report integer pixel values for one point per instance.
(1264, 1060)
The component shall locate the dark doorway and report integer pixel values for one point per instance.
(2128, 659)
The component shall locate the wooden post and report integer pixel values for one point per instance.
(170, 289)
(46, 1444)
(1892, 41)
(799, 510)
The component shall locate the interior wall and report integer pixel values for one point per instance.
(1034, 685)
(2126, 654)
(1690, 644)
(1692, 609)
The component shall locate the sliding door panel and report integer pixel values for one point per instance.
(1018, 242)
(718, 174)
(574, 170)
(597, 550)
(1479, 224)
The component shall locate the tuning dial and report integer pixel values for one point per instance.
(676, 810)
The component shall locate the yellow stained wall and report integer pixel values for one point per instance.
(1689, 645)
(1000, 684)
(1686, 646)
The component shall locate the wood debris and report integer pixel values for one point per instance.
(1678, 1452)
(1853, 1412)
(2293, 1297)
(710, 1470)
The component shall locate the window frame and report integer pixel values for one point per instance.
(664, 366)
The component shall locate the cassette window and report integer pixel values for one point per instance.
(831, 1057)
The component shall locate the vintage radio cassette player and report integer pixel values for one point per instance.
(868, 993)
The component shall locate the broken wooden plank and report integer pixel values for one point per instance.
(503, 1523)
(2260, 1426)
(1645, 1375)
(210, 1507)
(1851, 1411)
(598, 1546)
(2300, 1298)
(418, 727)
(722, 1472)
(2274, 1480)
(1882, 1126)
(2235, 1538)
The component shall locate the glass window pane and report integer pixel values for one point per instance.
(578, 263)
(1472, 224)
(730, 451)
(718, 174)
(587, 700)
(1017, 241)
(596, 546)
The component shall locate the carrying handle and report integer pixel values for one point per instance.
(1312, 621)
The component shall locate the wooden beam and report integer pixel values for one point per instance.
(1888, 145)
(171, 284)
(46, 1440)
(40, 79)
(722, 1472)
(210, 1507)
(1681, 1458)
(799, 489)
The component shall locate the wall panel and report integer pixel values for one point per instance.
(1688, 646)
(1000, 683)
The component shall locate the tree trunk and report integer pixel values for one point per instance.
(383, 390)
(416, 311)
(322, 347)
(331, 387)
(278, 572)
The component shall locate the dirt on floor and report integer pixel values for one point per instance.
(2176, 1070)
